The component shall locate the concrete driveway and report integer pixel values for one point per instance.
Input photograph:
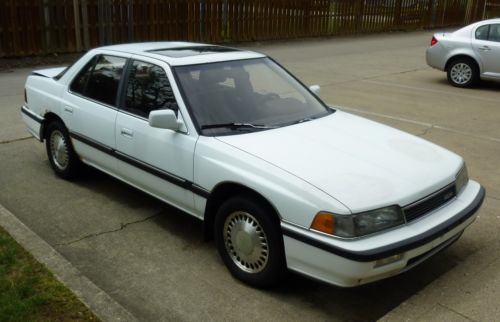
(152, 259)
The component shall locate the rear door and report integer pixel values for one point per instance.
(90, 109)
(159, 161)
(486, 44)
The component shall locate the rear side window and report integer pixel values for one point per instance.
(489, 32)
(148, 89)
(482, 32)
(99, 79)
(80, 81)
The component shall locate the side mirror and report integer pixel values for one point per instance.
(164, 119)
(316, 89)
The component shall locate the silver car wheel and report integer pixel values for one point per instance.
(246, 242)
(59, 151)
(461, 73)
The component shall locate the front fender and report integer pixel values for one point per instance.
(294, 199)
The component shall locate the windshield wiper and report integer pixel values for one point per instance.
(236, 126)
(309, 118)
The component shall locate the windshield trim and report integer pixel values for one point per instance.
(329, 110)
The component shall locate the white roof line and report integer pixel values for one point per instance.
(146, 49)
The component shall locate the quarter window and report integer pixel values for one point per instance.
(99, 79)
(148, 89)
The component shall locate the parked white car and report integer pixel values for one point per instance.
(468, 54)
(280, 179)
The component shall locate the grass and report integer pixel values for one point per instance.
(29, 292)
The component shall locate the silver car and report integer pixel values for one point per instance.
(468, 54)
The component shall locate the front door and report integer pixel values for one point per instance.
(159, 161)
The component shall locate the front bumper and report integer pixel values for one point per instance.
(350, 263)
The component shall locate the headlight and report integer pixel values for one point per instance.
(361, 224)
(462, 179)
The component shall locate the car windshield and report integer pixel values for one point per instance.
(245, 96)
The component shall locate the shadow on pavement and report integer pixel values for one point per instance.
(482, 85)
(368, 302)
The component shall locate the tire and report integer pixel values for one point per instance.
(62, 157)
(463, 72)
(250, 242)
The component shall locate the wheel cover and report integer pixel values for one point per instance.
(59, 150)
(246, 242)
(461, 73)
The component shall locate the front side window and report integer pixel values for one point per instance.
(245, 95)
(494, 33)
(148, 89)
(99, 79)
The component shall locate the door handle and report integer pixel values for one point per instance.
(484, 48)
(127, 132)
(68, 109)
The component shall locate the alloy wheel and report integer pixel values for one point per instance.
(461, 73)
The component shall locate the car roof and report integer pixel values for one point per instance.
(465, 31)
(178, 53)
(484, 22)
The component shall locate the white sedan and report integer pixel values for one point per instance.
(468, 54)
(280, 179)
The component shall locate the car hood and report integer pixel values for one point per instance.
(363, 164)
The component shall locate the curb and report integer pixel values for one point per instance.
(97, 300)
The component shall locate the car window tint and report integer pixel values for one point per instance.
(262, 81)
(494, 34)
(254, 91)
(103, 83)
(482, 32)
(148, 89)
(80, 81)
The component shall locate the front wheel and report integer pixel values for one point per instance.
(463, 73)
(62, 157)
(249, 241)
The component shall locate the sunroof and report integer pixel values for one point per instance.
(192, 51)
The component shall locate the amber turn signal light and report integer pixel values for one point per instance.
(324, 222)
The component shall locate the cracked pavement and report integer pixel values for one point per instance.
(152, 258)
(122, 226)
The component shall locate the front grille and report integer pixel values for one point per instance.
(429, 203)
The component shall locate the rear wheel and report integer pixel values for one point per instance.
(463, 72)
(249, 241)
(62, 157)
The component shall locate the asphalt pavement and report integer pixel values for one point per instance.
(151, 259)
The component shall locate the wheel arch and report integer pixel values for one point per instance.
(47, 119)
(222, 192)
(462, 56)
